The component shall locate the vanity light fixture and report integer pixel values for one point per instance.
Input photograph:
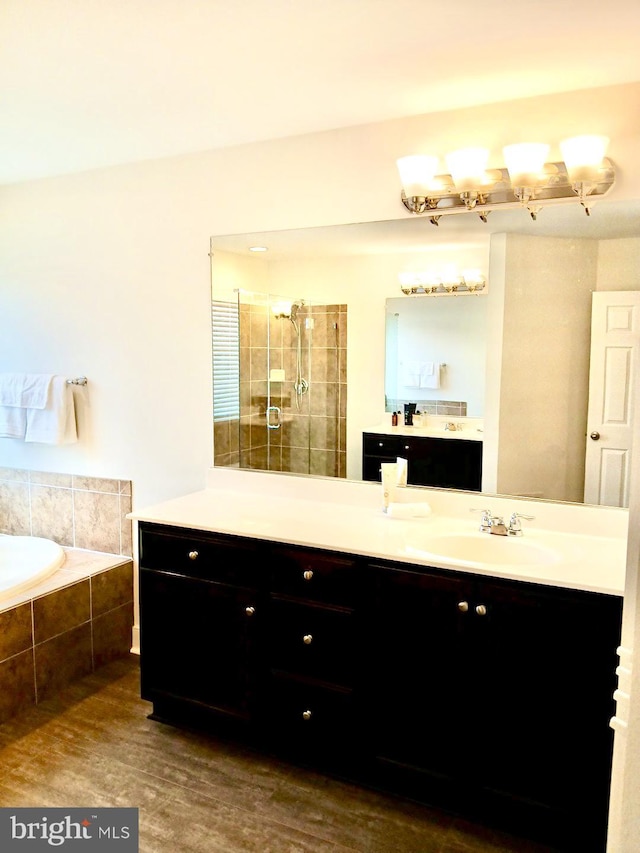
(526, 180)
(449, 283)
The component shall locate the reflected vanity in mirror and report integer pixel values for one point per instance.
(532, 392)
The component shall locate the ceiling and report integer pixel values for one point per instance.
(89, 83)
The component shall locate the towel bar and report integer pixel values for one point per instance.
(80, 380)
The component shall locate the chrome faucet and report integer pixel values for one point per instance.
(495, 525)
(515, 528)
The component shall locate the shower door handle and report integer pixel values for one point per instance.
(273, 417)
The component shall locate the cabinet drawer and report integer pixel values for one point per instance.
(315, 576)
(381, 445)
(313, 641)
(196, 555)
(308, 716)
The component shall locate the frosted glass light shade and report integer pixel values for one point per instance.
(416, 174)
(525, 162)
(468, 167)
(583, 155)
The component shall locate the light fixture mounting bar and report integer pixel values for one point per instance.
(554, 187)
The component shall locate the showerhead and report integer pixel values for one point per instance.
(295, 307)
(287, 310)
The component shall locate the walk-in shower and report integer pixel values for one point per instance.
(291, 369)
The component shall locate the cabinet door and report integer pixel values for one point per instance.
(544, 679)
(445, 462)
(422, 707)
(198, 642)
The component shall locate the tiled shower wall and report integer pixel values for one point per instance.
(311, 439)
(74, 511)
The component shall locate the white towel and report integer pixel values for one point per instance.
(55, 424)
(27, 390)
(411, 373)
(430, 375)
(13, 422)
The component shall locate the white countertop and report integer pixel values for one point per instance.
(469, 429)
(347, 517)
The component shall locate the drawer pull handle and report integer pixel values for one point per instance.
(193, 555)
(307, 639)
(306, 715)
(307, 575)
(463, 606)
(481, 610)
(249, 610)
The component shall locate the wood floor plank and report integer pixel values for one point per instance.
(92, 744)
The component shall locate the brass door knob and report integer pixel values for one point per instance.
(307, 639)
(249, 610)
(193, 555)
(463, 606)
(595, 436)
(306, 715)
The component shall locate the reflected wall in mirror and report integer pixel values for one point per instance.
(435, 354)
(538, 312)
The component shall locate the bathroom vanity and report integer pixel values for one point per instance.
(314, 632)
(436, 456)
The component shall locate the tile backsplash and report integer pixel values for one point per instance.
(74, 511)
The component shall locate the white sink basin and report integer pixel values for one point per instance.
(482, 549)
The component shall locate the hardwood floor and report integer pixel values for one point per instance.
(93, 745)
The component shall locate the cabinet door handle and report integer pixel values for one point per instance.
(307, 575)
(481, 610)
(306, 715)
(250, 610)
(193, 555)
(307, 639)
(463, 606)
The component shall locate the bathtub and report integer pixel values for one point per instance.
(25, 561)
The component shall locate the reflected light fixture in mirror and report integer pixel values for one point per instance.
(445, 282)
(584, 174)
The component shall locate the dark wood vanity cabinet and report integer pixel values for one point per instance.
(486, 696)
(315, 653)
(251, 633)
(201, 606)
(499, 694)
(438, 462)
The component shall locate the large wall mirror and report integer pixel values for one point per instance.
(311, 322)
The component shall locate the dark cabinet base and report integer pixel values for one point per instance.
(390, 675)
(437, 462)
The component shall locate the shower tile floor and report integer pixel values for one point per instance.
(92, 744)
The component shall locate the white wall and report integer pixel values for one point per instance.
(106, 273)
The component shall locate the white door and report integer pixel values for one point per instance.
(615, 344)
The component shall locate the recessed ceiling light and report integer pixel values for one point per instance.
(258, 248)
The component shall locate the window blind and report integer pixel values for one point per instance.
(226, 360)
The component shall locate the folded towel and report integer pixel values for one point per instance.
(430, 376)
(13, 422)
(27, 390)
(411, 373)
(408, 510)
(55, 424)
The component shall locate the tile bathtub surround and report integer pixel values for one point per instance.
(74, 511)
(75, 622)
